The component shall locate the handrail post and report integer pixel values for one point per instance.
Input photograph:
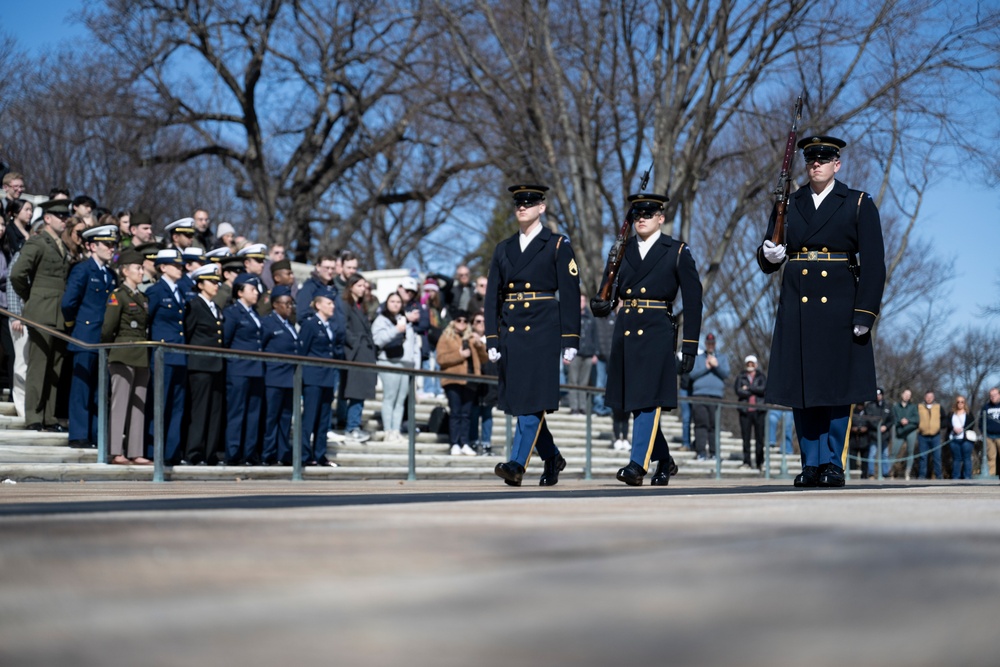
(411, 428)
(587, 472)
(984, 464)
(878, 454)
(158, 405)
(102, 405)
(784, 453)
(767, 448)
(297, 424)
(718, 441)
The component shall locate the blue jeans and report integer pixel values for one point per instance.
(926, 444)
(785, 417)
(961, 457)
(431, 385)
(355, 406)
(685, 420)
(873, 456)
(601, 380)
(484, 412)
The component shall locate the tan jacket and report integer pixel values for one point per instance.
(450, 359)
(930, 420)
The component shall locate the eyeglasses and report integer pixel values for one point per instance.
(820, 160)
(960, 402)
(525, 204)
(461, 320)
(647, 215)
(478, 320)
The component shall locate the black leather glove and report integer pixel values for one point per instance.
(687, 364)
(599, 307)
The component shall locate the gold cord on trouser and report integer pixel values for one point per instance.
(847, 436)
(532, 450)
(652, 439)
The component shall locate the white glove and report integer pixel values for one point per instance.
(774, 253)
(860, 330)
(493, 354)
(569, 353)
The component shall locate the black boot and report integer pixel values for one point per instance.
(808, 477)
(550, 476)
(665, 469)
(831, 475)
(511, 472)
(632, 474)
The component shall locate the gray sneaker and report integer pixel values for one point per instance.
(359, 435)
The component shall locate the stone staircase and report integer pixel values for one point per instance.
(32, 456)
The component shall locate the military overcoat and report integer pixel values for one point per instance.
(815, 358)
(642, 370)
(39, 278)
(532, 310)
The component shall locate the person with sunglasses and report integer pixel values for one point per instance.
(532, 310)
(822, 360)
(642, 370)
(39, 278)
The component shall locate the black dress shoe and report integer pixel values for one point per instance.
(665, 469)
(80, 444)
(831, 476)
(325, 462)
(309, 464)
(631, 474)
(808, 477)
(511, 472)
(33, 427)
(54, 428)
(554, 466)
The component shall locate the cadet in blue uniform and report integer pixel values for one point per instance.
(278, 335)
(83, 303)
(206, 375)
(194, 259)
(241, 330)
(166, 324)
(528, 327)
(642, 374)
(317, 338)
(831, 291)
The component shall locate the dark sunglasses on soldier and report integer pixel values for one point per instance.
(647, 215)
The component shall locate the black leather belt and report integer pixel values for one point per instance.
(645, 303)
(816, 256)
(530, 296)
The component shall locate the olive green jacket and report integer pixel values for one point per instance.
(39, 278)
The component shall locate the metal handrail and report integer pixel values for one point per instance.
(160, 348)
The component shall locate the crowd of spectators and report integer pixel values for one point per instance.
(435, 324)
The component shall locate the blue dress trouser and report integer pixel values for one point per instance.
(316, 413)
(532, 433)
(277, 438)
(648, 442)
(823, 433)
(244, 403)
(174, 392)
(83, 397)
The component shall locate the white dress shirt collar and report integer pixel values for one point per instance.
(644, 246)
(525, 238)
(818, 198)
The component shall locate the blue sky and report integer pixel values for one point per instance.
(961, 217)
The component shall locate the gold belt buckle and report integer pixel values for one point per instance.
(812, 255)
(634, 303)
(520, 296)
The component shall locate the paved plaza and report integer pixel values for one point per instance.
(473, 573)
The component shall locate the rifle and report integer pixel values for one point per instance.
(782, 189)
(618, 248)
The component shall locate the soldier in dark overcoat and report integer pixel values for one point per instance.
(39, 278)
(88, 287)
(821, 353)
(642, 370)
(126, 321)
(532, 309)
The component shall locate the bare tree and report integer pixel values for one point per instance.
(298, 100)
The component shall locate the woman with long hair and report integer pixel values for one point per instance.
(18, 218)
(357, 385)
(399, 346)
(459, 350)
(961, 425)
